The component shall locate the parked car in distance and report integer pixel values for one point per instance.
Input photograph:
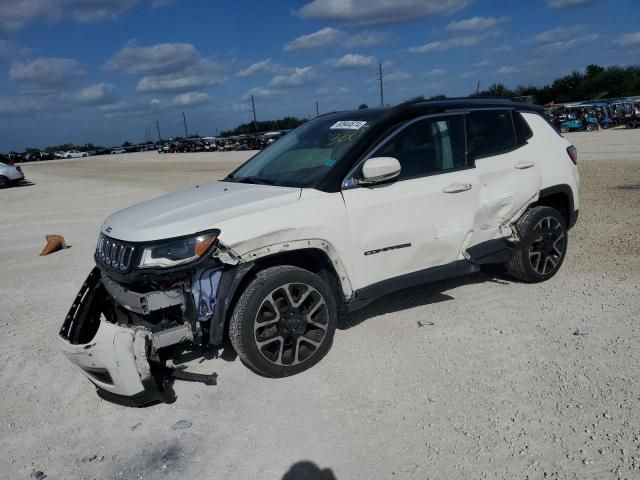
(10, 173)
(75, 154)
(342, 210)
(117, 151)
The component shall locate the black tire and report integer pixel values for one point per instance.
(4, 181)
(631, 124)
(291, 343)
(543, 245)
(564, 129)
(590, 127)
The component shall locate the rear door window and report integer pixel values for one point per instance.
(492, 132)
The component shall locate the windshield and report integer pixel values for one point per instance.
(304, 156)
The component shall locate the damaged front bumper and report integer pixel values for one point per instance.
(120, 337)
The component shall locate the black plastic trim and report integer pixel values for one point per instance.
(229, 282)
(566, 190)
(491, 251)
(455, 269)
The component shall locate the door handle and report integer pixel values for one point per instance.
(524, 164)
(457, 188)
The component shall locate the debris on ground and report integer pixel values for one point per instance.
(54, 243)
(422, 324)
(181, 425)
(38, 475)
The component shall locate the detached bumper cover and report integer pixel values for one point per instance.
(114, 360)
(113, 357)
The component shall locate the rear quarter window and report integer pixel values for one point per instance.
(523, 130)
(492, 132)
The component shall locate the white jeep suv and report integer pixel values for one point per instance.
(344, 209)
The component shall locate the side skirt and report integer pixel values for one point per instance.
(367, 294)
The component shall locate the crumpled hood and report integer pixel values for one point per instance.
(193, 210)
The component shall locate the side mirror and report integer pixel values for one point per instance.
(379, 169)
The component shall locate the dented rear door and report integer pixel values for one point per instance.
(508, 173)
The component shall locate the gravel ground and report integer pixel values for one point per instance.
(479, 377)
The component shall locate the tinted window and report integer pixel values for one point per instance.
(492, 132)
(523, 130)
(428, 146)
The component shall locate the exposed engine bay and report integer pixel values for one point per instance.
(122, 333)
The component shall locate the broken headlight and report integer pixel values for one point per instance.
(178, 252)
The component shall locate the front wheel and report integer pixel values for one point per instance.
(4, 181)
(543, 245)
(284, 321)
(591, 127)
(564, 129)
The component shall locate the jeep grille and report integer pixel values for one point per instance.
(113, 253)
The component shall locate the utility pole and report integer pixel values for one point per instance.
(217, 132)
(184, 120)
(317, 111)
(381, 87)
(253, 106)
(478, 88)
(159, 136)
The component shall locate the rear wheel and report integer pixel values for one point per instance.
(284, 321)
(4, 181)
(590, 127)
(543, 245)
(564, 129)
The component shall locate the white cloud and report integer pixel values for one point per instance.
(507, 70)
(352, 60)
(398, 76)
(366, 12)
(366, 39)
(97, 94)
(299, 77)
(167, 67)
(15, 14)
(435, 72)
(444, 45)
(562, 46)
(46, 73)
(501, 49)
(480, 64)
(261, 92)
(475, 24)
(568, 3)
(264, 66)
(628, 40)
(322, 38)
(203, 74)
(155, 59)
(557, 34)
(189, 98)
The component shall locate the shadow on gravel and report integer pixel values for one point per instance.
(25, 183)
(418, 296)
(308, 471)
(628, 187)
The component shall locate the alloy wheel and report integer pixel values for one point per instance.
(291, 324)
(547, 249)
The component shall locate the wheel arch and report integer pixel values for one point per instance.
(313, 255)
(559, 197)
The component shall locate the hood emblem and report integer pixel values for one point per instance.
(108, 229)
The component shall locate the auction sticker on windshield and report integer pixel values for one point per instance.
(347, 125)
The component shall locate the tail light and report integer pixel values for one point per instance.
(7, 162)
(573, 154)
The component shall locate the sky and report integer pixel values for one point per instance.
(104, 71)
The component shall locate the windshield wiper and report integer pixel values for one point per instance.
(254, 180)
